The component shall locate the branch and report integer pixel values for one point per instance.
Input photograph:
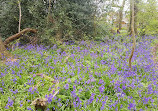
(18, 35)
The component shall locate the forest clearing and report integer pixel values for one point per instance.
(85, 55)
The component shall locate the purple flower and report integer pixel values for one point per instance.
(97, 99)
(101, 89)
(49, 88)
(2, 74)
(10, 103)
(80, 90)
(13, 72)
(32, 90)
(28, 108)
(101, 81)
(131, 106)
(88, 81)
(74, 103)
(14, 92)
(146, 100)
(28, 100)
(49, 98)
(74, 87)
(2, 83)
(6, 107)
(123, 87)
(103, 104)
(73, 93)
(150, 89)
(67, 86)
(21, 103)
(69, 80)
(91, 98)
(1, 89)
(14, 80)
(103, 62)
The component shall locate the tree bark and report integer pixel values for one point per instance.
(49, 12)
(133, 36)
(19, 15)
(130, 21)
(18, 35)
(19, 27)
(121, 14)
(135, 17)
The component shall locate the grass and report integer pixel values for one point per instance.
(92, 76)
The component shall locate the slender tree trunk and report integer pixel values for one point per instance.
(130, 24)
(133, 36)
(49, 11)
(121, 14)
(135, 17)
(19, 15)
(19, 27)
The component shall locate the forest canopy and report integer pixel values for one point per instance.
(77, 19)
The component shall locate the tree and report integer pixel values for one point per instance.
(133, 34)
(121, 14)
(148, 17)
(68, 19)
(33, 15)
(19, 15)
(136, 2)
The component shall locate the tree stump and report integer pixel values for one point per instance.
(3, 51)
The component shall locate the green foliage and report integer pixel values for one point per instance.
(8, 18)
(67, 19)
(33, 16)
(102, 29)
(152, 27)
(148, 17)
(73, 20)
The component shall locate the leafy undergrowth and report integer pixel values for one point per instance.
(91, 76)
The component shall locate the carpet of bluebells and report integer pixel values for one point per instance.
(93, 76)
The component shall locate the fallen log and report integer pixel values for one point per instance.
(18, 35)
(4, 53)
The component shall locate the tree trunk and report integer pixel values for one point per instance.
(49, 18)
(121, 14)
(133, 35)
(18, 35)
(135, 17)
(3, 51)
(19, 27)
(130, 21)
(19, 15)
